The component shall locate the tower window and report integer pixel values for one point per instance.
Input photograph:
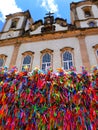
(87, 11)
(92, 24)
(14, 23)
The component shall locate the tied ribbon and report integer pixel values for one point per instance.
(38, 100)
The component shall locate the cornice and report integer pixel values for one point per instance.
(80, 3)
(49, 36)
(88, 19)
(26, 13)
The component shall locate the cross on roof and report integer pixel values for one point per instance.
(49, 14)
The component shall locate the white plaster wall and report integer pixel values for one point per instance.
(54, 45)
(84, 24)
(8, 23)
(37, 31)
(90, 42)
(7, 50)
(57, 28)
(21, 19)
(10, 34)
(60, 28)
(80, 13)
(96, 21)
(28, 24)
(95, 11)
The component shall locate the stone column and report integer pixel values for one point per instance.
(84, 53)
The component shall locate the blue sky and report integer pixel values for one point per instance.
(37, 8)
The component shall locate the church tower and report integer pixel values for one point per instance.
(16, 24)
(83, 14)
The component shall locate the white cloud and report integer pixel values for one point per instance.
(50, 5)
(8, 7)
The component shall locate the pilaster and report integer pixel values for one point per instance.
(15, 54)
(84, 53)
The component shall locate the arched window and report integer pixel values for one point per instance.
(14, 23)
(87, 11)
(27, 60)
(67, 60)
(2, 60)
(46, 61)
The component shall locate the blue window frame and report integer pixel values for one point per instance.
(26, 61)
(46, 61)
(67, 60)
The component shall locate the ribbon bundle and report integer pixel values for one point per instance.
(48, 101)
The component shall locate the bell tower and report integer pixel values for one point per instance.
(16, 24)
(83, 14)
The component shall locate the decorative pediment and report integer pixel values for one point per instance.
(48, 23)
(67, 49)
(28, 52)
(36, 25)
(61, 22)
(47, 51)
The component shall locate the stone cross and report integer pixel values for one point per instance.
(49, 14)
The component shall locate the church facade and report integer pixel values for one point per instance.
(52, 42)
